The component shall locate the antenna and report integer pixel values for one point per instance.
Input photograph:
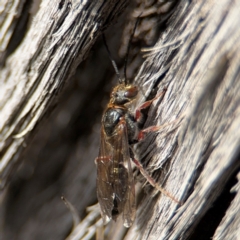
(128, 48)
(110, 57)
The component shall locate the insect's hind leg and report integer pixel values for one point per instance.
(153, 182)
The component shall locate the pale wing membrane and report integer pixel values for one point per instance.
(124, 183)
(105, 179)
(115, 183)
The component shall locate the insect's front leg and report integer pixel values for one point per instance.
(145, 105)
(139, 116)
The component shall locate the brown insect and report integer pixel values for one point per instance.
(120, 130)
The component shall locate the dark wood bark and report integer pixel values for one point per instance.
(195, 157)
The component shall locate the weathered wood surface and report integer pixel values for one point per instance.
(197, 58)
(59, 38)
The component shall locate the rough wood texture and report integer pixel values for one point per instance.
(197, 58)
(59, 38)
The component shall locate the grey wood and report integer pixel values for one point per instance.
(195, 156)
(58, 39)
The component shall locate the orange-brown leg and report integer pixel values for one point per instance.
(146, 104)
(152, 181)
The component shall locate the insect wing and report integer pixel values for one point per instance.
(115, 183)
(105, 178)
(124, 187)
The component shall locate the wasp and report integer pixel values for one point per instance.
(120, 129)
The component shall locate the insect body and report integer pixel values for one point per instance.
(120, 129)
(115, 183)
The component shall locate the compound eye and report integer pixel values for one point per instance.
(131, 92)
(115, 95)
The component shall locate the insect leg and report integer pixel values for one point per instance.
(153, 183)
(138, 113)
(142, 133)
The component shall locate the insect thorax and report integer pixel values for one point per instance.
(111, 119)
